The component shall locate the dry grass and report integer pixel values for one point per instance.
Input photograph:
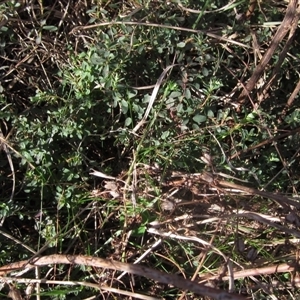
(211, 234)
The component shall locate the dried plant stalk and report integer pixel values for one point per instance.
(165, 278)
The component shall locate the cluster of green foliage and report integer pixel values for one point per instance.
(70, 98)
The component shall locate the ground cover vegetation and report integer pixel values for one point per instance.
(149, 149)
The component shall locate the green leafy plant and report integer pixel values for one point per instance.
(77, 80)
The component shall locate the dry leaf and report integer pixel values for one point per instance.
(14, 293)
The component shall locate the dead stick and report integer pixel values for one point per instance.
(280, 199)
(282, 30)
(140, 270)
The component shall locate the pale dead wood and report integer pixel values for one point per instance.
(15, 240)
(4, 145)
(152, 98)
(290, 101)
(199, 267)
(267, 141)
(293, 95)
(276, 71)
(251, 8)
(206, 32)
(96, 286)
(14, 293)
(272, 269)
(280, 199)
(284, 28)
(161, 277)
(268, 221)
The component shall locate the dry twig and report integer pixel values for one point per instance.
(291, 17)
(165, 278)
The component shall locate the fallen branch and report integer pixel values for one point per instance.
(161, 277)
(267, 270)
(280, 199)
(283, 29)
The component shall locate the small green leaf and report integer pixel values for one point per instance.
(204, 71)
(38, 40)
(124, 105)
(199, 119)
(175, 94)
(97, 60)
(181, 45)
(130, 95)
(250, 117)
(187, 94)
(165, 135)
(105, 71)
(128, 121)
(50, 28)
(179, 108)
(210, 113)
